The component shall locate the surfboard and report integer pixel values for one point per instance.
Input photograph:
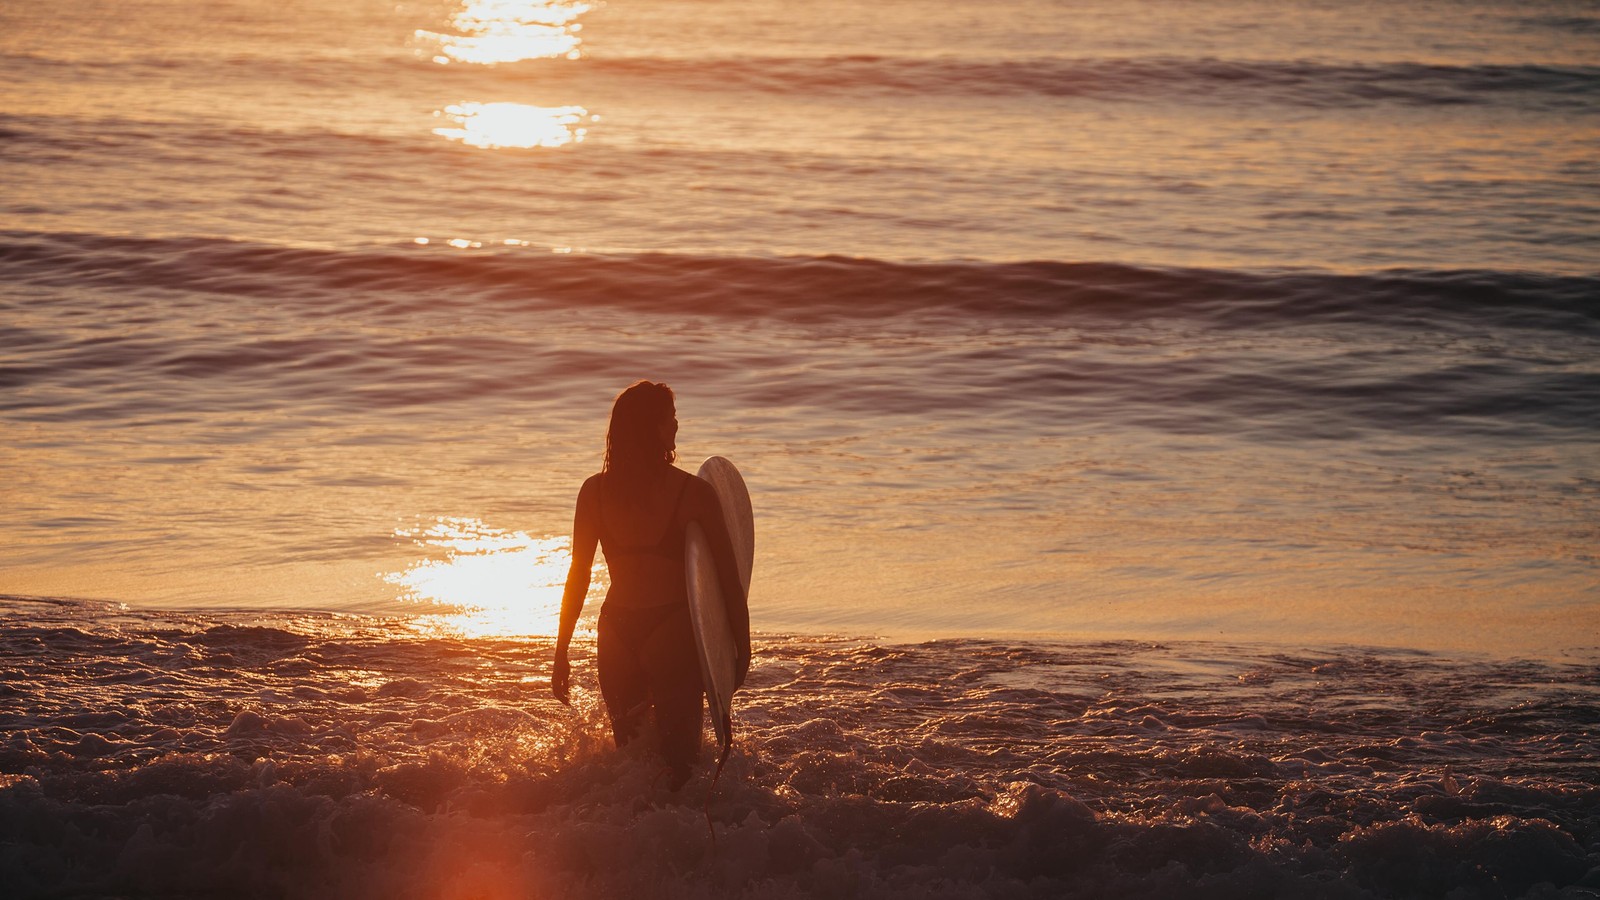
(719, 649)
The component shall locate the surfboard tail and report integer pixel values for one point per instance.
(722, 760)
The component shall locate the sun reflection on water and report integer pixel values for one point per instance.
(488, 582)
(494, 125)
(505, 31)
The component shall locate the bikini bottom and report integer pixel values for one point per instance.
(648, 662)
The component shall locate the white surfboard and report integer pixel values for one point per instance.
(719, 650)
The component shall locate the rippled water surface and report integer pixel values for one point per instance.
(958, 448)
(1447, 134)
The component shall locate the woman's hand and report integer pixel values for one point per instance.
(560, 677)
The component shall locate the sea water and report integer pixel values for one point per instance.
(305, 754)
(1171, 426)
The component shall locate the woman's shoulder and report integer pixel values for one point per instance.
(698, 493)
(591, 487)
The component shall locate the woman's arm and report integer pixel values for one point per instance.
(708, 510)
(585, 535)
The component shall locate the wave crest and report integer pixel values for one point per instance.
(393, 280)
(1209, 80)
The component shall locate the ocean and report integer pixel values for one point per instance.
(1173, 430)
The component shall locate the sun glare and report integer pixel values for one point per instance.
(486, 581)
(505, 31)
(495, 125)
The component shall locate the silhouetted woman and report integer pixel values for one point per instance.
(637, 509)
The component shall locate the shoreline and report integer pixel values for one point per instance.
(423, 622)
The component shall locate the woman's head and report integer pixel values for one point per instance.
(643, 429)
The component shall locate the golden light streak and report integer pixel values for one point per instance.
(488, 582)
(496, 125)
(506, 31)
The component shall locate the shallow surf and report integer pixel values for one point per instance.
(303, 754)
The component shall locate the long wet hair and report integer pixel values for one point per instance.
(635, 444)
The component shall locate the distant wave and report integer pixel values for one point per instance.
(342, 330)
(381, 280)
(1214, 81)
(1579, 24)
(1219, 81)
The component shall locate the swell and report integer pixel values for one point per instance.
(1209, 80)
(1214, 81)
(395, 280)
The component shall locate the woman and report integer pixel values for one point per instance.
(637, 508)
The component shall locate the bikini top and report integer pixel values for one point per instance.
(670, 546)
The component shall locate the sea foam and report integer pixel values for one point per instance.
(309, 755)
